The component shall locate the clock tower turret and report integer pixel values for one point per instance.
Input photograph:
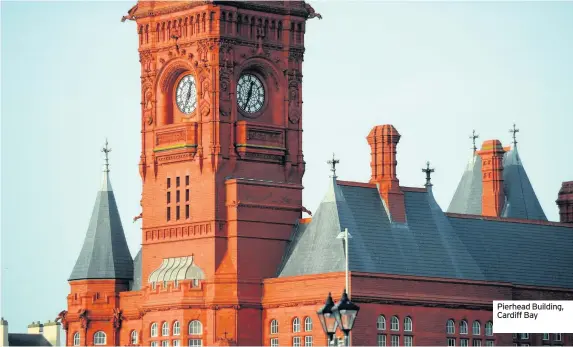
(221, 160)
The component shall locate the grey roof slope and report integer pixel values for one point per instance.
(27, 340)
(136, 284)
(489, 240)
(467, 198)
(105, 254)
(430, 244)
(427, 245)
(520, 199)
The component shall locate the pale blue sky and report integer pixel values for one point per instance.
(70, 77)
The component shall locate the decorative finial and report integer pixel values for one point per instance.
(514, 131)
(106, 151)
(428, 172)
(474, 136)
(333, 163)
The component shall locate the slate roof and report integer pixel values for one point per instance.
(105, 254)
(27, 340)
(521, 201)
(430, 244)
(136, 284)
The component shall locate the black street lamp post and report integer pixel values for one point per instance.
(345, 312)
(327, 319)
(342, 315)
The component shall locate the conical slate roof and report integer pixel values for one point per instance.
(467, 198)
(105, 254)
(520, 199)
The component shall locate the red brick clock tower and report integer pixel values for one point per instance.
(221, 159)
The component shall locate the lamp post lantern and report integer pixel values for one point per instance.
(345, 312)
(327, 319)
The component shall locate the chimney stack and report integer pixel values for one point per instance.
(493, 196)
(383, 140)
(52, 332)
(565, 202)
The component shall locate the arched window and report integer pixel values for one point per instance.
(274, 327)
(165, 329)
(176, 328)
(476, 327)
(381, 322)
(308, 324)
(407, 324)
(395, 326)
(195, 327)
(76, 339)
(99, 338)
(463, 327)
(154, 330)
(296, 325)
(489, 329)
(134, 337)
(451, 327)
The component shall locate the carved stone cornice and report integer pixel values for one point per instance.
(422, 303)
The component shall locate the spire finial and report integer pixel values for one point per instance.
(333, 163)
(106, 151)
(428, 172)
(514, 131)
(474, 136)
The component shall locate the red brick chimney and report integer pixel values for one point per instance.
(565, 202)
(383, 140)
(493, 196)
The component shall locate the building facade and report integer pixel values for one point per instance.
(226, 258)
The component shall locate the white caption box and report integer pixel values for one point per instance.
(533, 317)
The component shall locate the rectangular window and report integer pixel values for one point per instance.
(168, 197)
(296, 341)
(464, 342)
(524, 336)
(557, 337)
(177, 196)
(187, 180)
(195, 342)
(176, 343)
(177, 214)
(153, 343)
(275, 342)
(308, 341)
(489, 343)
(395, 340)
(476, 343)
(168, 213)
(451, 342)
(408, 341)
(186, 194)
(177, 182)
(165, 343)
(381, 340)
(186, 211)
(168, 182)
(545, 337)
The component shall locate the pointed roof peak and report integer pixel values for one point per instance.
(105, 254)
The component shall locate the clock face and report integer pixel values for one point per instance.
(186, 95)
(250, 93)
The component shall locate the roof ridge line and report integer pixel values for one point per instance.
(508, 220)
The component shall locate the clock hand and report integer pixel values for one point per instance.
(249, 94)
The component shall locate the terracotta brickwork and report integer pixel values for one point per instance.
(223, 186)
(565, 202)
(493, 196)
